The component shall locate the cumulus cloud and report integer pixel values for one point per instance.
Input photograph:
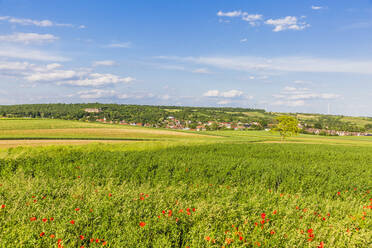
(252, 19)
(52, 73)
(31, 22)
(231, 93)
(294, 97)
(235, 13)
(98, 79)
(27, 38)
(285, 23)
(104, 63)
(226, 94)
(29, 54)
(211, 93)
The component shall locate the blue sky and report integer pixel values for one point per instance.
(288, 56)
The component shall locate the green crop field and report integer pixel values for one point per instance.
(161, 188)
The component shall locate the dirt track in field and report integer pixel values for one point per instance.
(15, 143)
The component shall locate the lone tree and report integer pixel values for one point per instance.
(287, 126)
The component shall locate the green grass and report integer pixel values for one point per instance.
(230, 180)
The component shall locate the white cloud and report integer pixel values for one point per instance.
(30, 54)
(252, 19)
(226, 94)
(201, 71)
(38, 23)
(231, 93)
(235, 13)
(28, 38)
(243, 40)
(53, 66)
(165, 97)
(98, 79)
(297, 103)
(317, 7)
(54, 75)
(112, 94)
(223, 102)
(285, 23)
(104, 63)
(120, 45)
(96, 93)
(294, 97)
(281, 64)
(211, 93)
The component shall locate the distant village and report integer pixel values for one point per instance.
(173, 123)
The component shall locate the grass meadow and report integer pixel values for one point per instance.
(176, 189)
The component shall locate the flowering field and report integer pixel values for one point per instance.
(211, 195)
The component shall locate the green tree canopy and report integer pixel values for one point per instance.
(287, 126)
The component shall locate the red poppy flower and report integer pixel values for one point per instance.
(52, 236)
(181, 211)
(339, 193)
(81, 237)
(193, 209)
(310, 230)
(72, 222)
(188, 210)
(142, 198)
(272, 232)
(32, 218)
(104, 243)
(77, 209)
(240, 238)
(97, 240)
(91, 240)
(256, 224)
(263, 215)
(142, 224)
(321, 245)
(163, 211)
(42, 234)
(274, 212)
(44, 220)
(51, 219)
(207, 238)
(262, 222)
(170, 213)
(33, 196)
(110, 194)
(3, 206)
